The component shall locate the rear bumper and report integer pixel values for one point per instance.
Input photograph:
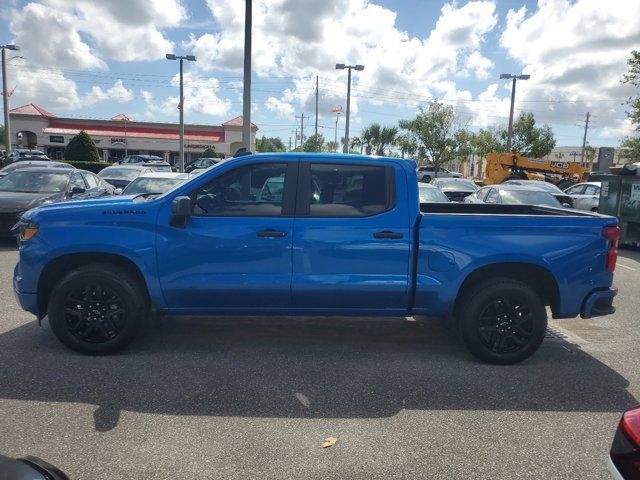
(613, 470)
(599, 303)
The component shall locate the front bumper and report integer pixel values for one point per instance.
(599, 303)
(28, 301)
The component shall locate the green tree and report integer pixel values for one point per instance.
(332, 147)
(589, 154)
(82, 148)
(270, 144)
(434, 130)
(355, 144)
(388, 136)
(630, 148)
(315, 143)
(529, 140)
(407, 144)
(209, 152)
(486, 141)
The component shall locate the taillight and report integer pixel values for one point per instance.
(625, 449)
(613, 235)
(630, 424)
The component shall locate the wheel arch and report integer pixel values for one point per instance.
(60, 266)
(540, 279)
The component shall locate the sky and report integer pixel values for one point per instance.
(96, 59)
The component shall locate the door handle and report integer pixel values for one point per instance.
(271, 233)
(387, 234)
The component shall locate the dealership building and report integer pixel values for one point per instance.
(34, 127)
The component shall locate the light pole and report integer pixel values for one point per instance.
(342, 66)
(191, 58)
(5, 97)
(513, 99)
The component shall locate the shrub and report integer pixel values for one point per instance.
(209, 152)
(82, 148)
(94, 167)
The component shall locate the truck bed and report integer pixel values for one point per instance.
(500, 209)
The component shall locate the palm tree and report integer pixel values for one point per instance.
(366, 138)
(356, 143)
(388, 136)
(332, 147)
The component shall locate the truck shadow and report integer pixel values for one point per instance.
(8, 244)
(315, 368)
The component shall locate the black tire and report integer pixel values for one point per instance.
(97, 309)
(502, 321)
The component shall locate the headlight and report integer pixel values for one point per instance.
(26, 231)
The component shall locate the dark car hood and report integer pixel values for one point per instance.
(19, 202)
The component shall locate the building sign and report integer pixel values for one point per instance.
(560, 164)
(197, 145)
(118, 141)
(635, 192)
(56, 139)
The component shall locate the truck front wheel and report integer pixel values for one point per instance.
(97, 309)
(502, 321)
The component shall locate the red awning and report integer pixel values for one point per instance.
(133, 132)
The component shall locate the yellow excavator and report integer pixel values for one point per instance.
(512, 166)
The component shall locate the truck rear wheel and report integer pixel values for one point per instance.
(97, 309)
(502, 321)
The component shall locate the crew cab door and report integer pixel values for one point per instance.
(235, 250)
(351, 237)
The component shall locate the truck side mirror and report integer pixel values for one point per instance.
(180, 211)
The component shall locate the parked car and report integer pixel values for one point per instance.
(202, 163)
(30, 187)
(18, 154)
(564, 199)
(624, 458)
(129, 159)
(515, 195)
(585, 196)
(425, 174)
(29, 468)
(156, 182)
(224, 242)
(430, 194)
(456, 189)
(32, 163)
(121, 175)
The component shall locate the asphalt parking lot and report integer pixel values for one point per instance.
(254, 398)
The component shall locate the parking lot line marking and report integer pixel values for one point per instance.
(625, 266)
(302, 398)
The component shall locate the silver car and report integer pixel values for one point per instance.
(585, 196)
(426, 173)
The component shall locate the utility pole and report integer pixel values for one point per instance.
(513, 100)
(289, 142)
(584, 142)
(246, 92)
(301, 117)
(5, 97)
(316, 106)
(296, 140)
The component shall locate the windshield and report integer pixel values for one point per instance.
(428, 194)
(151, 185)
(34, 182)
(119, 172)
(529, 197)
(159, 168)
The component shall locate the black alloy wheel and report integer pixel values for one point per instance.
(98, 309)
(502, 320)
(94, 314)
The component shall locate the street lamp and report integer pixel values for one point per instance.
(191, 58)
(5, 97)
(342, 66)
(506, 76)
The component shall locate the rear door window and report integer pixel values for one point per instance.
(346, 190)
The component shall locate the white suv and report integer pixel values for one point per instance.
(425, 174)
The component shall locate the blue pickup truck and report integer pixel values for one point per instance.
(312, 234)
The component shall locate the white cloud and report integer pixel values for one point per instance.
(280, 108)
(200, 96)
(117, 93)
(354, 31)
(480, 64)
(576, 53)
